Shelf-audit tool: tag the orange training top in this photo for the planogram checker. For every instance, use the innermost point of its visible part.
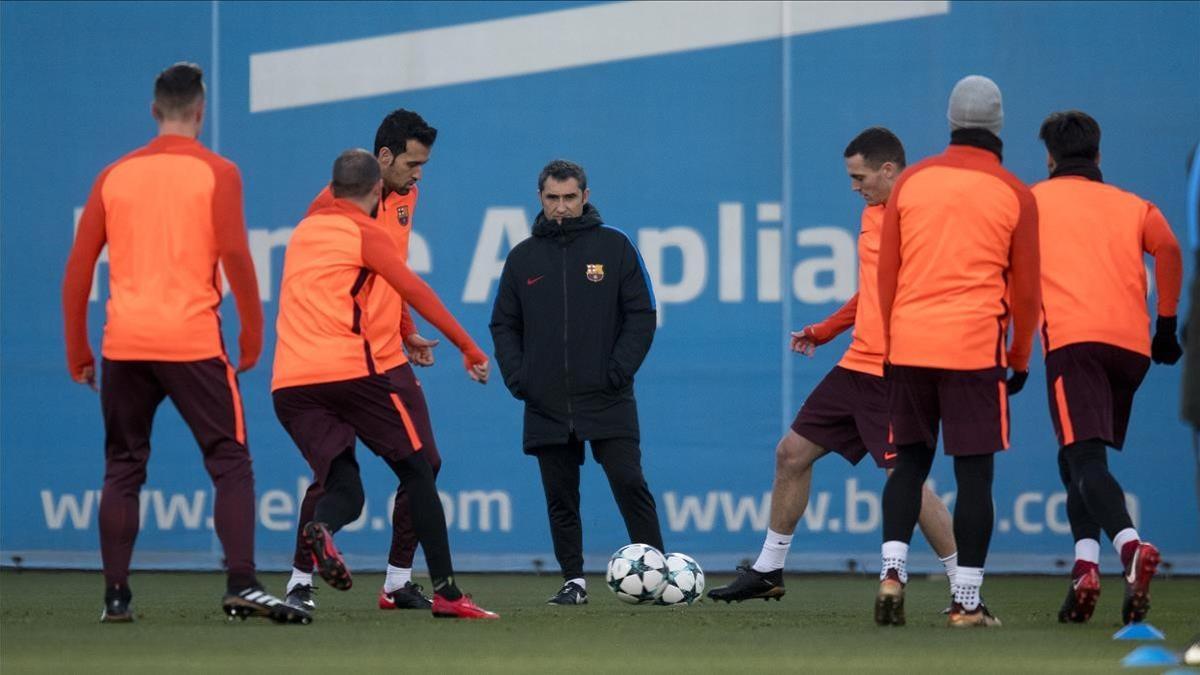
(334, 258)
(866, 348)
(865, 353)
(168, 212)
(960, 237)
(1093, 237)
(390, 321)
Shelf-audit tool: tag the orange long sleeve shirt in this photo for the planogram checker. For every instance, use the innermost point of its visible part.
(169, 212)
(333, 261)
(389, 319)
(1093, 237)
(960, 239)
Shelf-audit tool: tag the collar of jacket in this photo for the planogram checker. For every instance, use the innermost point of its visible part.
(1078, 166)
(570, 227)
(978, 138)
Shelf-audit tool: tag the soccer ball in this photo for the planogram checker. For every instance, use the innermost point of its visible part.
(637, 573)
(685, 580)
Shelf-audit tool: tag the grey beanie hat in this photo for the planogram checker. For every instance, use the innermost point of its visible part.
(975, 104)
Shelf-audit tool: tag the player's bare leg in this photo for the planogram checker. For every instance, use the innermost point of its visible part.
(794, 458)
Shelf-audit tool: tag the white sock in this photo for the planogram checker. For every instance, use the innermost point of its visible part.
(1124, 537)
(950, 562)
(578, 580)
(299, 579)
(966, 587)
(1088, 550)
(774, 552)
(895, 557)
(396, 578)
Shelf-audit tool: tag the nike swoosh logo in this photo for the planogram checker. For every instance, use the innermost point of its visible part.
(533, 280)
(890, 455)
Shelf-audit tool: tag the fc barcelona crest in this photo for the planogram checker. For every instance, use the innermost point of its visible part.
(402, 215)
(595, 273)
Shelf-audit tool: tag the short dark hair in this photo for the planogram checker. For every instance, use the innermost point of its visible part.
(560, 170)
(355, 172)
(877, 145)
(1071, 134)
(178, 88)
(401, 126)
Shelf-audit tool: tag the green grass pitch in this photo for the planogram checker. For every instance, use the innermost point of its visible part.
(48, 623)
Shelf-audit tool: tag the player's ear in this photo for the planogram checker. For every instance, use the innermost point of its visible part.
(155, 112)
(587, 192)
(385, 156)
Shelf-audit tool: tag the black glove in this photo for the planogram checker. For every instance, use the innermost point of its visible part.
(1016, 381)
(1165, 347)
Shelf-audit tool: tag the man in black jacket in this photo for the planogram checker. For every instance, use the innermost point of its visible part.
(573, 320)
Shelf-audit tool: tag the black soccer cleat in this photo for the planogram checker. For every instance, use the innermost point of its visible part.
(301, 597)
(408, 596)
(1138, 575)
(750, 584)
(1081, 599)
(116, 605)
(889, 601)
(326, 558)
(253, 601)
(571, 593)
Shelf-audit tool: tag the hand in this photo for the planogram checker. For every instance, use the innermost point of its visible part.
(86, 375)
(1016, 381)
(249, 349)
(477, 365)
(420, 349)
(479, 372)
(1165, 347)
(803, 341)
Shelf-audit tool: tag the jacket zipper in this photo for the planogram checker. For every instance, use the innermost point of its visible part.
(566, 345)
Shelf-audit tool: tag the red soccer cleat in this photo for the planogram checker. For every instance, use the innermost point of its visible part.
(462, 608)
(1081, 597)
(1138, 574)
(326, 558)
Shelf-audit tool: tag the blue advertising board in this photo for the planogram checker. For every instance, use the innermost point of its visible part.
(712, 134)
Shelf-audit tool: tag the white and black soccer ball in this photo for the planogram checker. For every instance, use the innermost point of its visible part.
(685, 580)
(637, 573)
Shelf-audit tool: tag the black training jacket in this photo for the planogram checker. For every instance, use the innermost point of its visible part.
(573, 320)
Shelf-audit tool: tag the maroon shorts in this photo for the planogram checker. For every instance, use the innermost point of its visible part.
(847, 413)
(970, 405)
(1090, 388)
(324, 419)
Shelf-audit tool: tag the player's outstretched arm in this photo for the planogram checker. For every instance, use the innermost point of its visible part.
(77, 286)
(380, 255)
(640, 317)
(508, 332)
(234, 251)
(1159, 241)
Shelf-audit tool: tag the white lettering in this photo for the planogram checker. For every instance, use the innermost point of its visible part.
(68, 506)
(730, 260)
(499, 224)
(654, 243)
(854, 497)
(680, 513)
(191, 513)
(484, 501)
(758, 512)
(841, 264)
(1020, 519)
(276, 503)
(1057, 503)
(815, 514)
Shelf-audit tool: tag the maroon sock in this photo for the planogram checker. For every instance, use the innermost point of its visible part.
(1127, 552)
(1082, 567)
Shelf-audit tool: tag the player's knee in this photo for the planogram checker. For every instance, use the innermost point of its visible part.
(794, 454)
(1084, 455)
